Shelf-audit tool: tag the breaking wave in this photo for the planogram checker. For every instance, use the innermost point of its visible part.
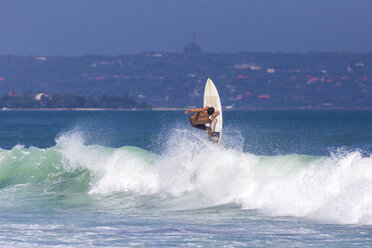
(191, 173)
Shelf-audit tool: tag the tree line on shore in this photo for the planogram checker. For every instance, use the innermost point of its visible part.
(69, 101)
(244, 80)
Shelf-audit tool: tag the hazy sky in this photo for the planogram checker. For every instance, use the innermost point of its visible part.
(78, 27)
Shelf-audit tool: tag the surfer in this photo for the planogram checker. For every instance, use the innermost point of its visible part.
(203, 116)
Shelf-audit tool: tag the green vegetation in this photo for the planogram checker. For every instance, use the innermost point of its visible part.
(244, 80)
(70, 101)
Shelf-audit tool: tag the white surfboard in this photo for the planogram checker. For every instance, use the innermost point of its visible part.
(212, 99)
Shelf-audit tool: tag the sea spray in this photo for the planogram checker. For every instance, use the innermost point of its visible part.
(192, 173)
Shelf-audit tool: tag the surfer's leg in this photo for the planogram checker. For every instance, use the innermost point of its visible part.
(209, 130)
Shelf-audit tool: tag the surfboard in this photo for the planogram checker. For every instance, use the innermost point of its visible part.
(212, 99)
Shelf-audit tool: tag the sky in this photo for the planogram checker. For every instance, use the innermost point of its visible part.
(116, 27)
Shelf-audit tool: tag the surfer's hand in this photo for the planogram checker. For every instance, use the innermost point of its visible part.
(187, 111)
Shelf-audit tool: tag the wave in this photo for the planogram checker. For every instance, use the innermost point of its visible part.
(191, 173)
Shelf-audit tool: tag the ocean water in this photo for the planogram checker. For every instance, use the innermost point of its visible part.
(146, 178)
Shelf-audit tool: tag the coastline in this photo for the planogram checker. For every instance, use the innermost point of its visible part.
(73, 109)
(182, 109)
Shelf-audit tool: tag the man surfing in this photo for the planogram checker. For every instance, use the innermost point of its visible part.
(203, 116)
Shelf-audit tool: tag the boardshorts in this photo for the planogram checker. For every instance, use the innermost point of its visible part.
(198, 126)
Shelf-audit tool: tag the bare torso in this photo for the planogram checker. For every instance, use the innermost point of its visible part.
(200, 118)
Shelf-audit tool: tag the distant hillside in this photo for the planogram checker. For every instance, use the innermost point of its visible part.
(14, 101)
(245, 80)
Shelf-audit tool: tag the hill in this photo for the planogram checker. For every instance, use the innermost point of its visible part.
(245, 80)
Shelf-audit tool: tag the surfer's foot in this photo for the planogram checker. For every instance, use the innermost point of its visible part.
(214, 139)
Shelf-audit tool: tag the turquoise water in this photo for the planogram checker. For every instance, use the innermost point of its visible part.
(146, 178)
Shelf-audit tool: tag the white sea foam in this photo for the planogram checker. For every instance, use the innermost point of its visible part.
(334, 189)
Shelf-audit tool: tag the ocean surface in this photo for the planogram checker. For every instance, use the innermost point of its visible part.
(147, 178)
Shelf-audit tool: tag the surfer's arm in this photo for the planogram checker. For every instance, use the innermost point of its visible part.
(196, 110)
(214, 115)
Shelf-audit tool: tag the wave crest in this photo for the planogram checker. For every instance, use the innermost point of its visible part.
(333, 189)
